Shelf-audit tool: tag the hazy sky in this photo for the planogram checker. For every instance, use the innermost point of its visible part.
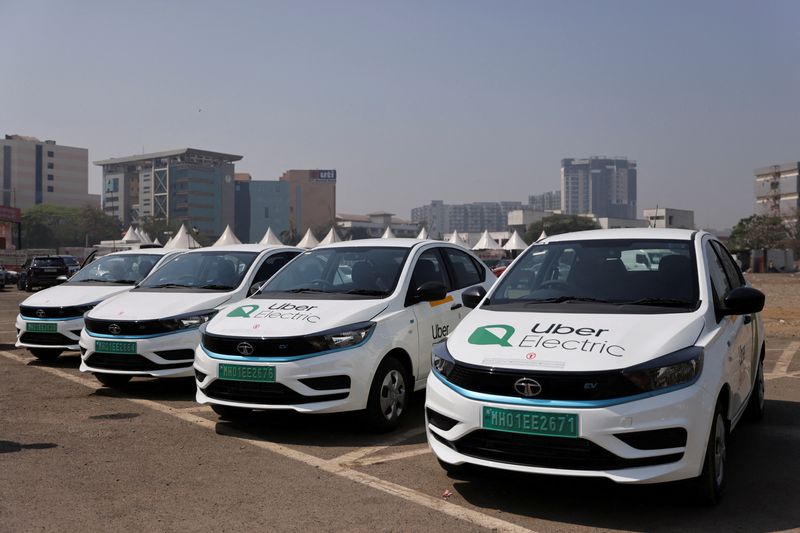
(412, 101)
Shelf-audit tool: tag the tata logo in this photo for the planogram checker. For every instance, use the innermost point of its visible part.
(527, 387)
(114, 329)
(40, 313)
(243, 311)
(488, 335)
(245, 348)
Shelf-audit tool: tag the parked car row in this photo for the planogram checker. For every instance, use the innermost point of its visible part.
(577, 362)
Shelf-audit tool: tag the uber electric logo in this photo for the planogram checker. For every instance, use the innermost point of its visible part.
(282, 311)
(496, 334)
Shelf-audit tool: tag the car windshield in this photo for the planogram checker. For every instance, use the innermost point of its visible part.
(70, 261)
(211, 270)
(48, 262)
(647, 273)
(351, 272)
(124, 269)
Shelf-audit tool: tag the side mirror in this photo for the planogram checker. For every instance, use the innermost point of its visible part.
(472, 297)
(430, 291)
(743, 301)
(255, 287)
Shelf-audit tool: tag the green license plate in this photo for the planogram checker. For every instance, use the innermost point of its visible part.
(531, 422)
(41, 327)
(264, 374)
(115, 347)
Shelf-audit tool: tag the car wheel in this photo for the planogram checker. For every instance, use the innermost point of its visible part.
(113, 380)
(389, 395)
(44, 354)
(231, 413)
(709, 484)
(755, 406)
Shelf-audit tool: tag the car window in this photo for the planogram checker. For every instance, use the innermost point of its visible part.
(719, 280)
(124, 268)
(272, 264)
(735, 276)
(429, 267)
(210, 270)
(48, 262)
(463, 268)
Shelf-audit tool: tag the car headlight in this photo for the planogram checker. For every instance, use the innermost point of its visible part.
(86, 308)
(343, 337)
(441, 360)
(187, 321)
(678, 368)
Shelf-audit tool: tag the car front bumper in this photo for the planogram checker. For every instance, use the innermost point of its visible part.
(65, 337)
(163, 356)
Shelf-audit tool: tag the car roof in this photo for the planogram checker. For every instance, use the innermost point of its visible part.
(140, 251)
(258, 248)
(377, 243)
(623, 234)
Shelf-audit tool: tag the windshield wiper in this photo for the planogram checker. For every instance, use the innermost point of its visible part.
(168, 286)
(217, 287)
(87, 280)
(563, 299)
(125, 281)
(303, 289)
(662, 302)
(366, 292)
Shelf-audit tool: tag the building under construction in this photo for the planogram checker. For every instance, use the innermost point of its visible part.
(777, 189)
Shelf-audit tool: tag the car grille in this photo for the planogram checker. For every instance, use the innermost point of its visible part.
(280, 347)
(133, 327)
(575, 386)
(52, 312)
(176, 355)
(46, 339)
(263, 393)
(546, 452)
(132, 362)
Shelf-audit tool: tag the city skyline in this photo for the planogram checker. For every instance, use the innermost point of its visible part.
(463, 102)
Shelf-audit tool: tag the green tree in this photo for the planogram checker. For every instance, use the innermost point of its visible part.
(56, 226)
(760, 232)
(558, 224)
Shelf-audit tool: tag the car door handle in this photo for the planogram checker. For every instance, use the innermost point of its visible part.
(455, 306)
(748, 319)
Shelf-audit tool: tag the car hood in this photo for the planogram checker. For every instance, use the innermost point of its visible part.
(261, 317)
(150, 305)
(77, 294)
(570, 342)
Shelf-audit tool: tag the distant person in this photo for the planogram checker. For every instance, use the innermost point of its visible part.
(771, 267)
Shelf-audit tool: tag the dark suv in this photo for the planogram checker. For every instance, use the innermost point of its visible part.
(41, 271)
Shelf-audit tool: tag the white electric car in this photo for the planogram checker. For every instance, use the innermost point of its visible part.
(576, 364)
(50, 321)
(152, 330)
(344, 327)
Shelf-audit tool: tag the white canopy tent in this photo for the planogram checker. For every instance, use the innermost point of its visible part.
(515, 243)
(308, 241)
(182, 240)
(388, 234)
(270, 239)
(542, 236)
(157, 242)
(227, 238)
(455, 238)
(486, 242)
(131, 235)
(423, 234)
(331, 237)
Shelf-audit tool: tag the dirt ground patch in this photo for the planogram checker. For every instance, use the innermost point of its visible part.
(782, 311)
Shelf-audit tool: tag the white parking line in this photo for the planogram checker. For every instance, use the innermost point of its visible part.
(781, 368)
(369, 450)
(332, 466)
(391, 457)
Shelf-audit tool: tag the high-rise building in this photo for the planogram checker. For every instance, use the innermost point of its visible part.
(602, 186)
(185, 185)
(43, 172)
(312, 199)
(548, 201)
(777, 190)
(441, 218)
(260, 205)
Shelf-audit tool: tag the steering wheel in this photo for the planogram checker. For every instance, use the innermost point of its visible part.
(321, 284)
(556, 284)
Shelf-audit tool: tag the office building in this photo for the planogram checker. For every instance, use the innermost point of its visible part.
(441, 218)
(260, 205)
(187, 185)
(312, 199)
(43, 172)
(777, 190)
(602, 186)
(667, 217)
(548, 201)
(373, 225)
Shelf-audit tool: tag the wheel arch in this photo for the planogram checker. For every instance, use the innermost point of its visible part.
(405, 359)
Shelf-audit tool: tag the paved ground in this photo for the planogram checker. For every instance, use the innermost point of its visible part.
(77, 456)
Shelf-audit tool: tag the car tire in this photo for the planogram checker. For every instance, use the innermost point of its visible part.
(45, 354)
(231, 413)
(756, 404)
(708, 486)
(389, 395)
(113, 380)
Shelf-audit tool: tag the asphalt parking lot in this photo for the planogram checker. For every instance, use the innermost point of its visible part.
(77, 456)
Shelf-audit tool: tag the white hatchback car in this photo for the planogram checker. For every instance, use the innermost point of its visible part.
(344, 327)
(574, 364)
(50, 321)
(152, 330)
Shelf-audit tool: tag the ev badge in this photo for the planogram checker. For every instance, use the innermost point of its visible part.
(528, 387)
(40, 313)
(244, 348)
(114, 329)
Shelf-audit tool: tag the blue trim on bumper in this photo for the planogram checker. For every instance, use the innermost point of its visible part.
(572, 404)
(31, 319)
(104, 336)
